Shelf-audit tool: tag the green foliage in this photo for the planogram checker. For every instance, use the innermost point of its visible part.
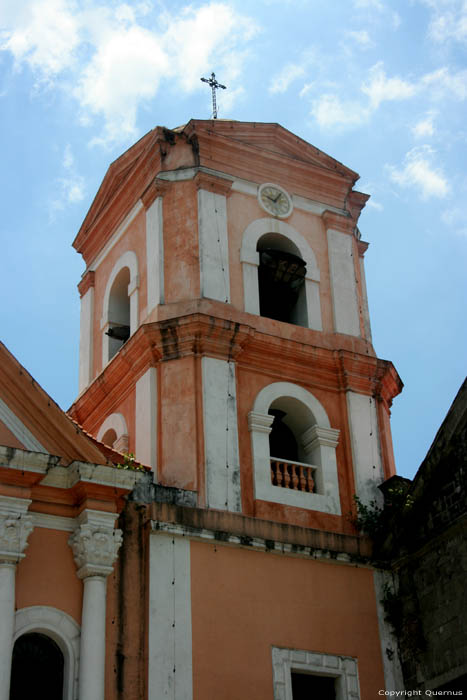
(372, 518)
(130, 462)
(369, 517)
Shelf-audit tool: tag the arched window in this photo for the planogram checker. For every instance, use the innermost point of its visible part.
(119, 312)
(120, 305)
(287, 419)
(37, 668)
(269, 251)
(114, 432)
(281, 280)
(50, 635)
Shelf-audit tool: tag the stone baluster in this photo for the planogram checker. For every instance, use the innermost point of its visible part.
(95, 544)
(15, 527)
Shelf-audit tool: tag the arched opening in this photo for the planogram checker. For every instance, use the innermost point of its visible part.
(291, 462)
(300, 455)
(281, 280)
(119, 312)
(37, 668)
(109, 438)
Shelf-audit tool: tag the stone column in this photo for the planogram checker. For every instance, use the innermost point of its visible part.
(15, 528)
(95, 544)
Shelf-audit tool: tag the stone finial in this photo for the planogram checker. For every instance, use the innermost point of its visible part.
(15, 527)
(95, 543)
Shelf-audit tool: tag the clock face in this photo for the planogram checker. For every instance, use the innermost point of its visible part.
(275, 200)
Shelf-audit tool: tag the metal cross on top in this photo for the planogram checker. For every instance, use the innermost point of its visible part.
(212, 82)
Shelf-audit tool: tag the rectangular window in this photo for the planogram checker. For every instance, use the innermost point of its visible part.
(306, 686)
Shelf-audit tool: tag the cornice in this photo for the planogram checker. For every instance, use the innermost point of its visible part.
(212, 183)
(157, 188)
(87, 281)
(337, 222)
(362, 247)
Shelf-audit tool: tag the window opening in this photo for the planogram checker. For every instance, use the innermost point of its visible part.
(37, 668)
(281, 280)
(109, 438)
(306, 686)
(290, 467)
(119, 312)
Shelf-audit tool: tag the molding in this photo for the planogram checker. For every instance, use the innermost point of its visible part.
(338, 221)
(53, 522)
(116, 236)
(87, 281)
(19, 430)
(67, 477)
(116, 422)
(315, 437)
(212, 183)
(63, 629)
(342, 668)
(255, 543)
(26, 460)
(260, 422)
(248, 187)
(157, 188)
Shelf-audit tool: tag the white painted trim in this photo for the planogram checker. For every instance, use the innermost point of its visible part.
(366, 452)
(86, 345)
(342, 668)
(115, 422)
(248, 187)
(155, 254)
(60, 627)
(255, 543)
(66, 477)
(343, 285)
(129, 260)
(19, 430)
(120, 231)
(53, 522)
(393, 678)
(146, 418)
(30, 461)
(249, 258)
(213, 246)
(319, 442)
(366, 310)
(221, 450)
(170, 641)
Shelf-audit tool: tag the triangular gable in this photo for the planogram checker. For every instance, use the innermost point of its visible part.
(275, 138)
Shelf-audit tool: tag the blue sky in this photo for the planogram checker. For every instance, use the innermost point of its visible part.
(379, 85)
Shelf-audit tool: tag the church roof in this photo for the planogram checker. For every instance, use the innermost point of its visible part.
(30, 419)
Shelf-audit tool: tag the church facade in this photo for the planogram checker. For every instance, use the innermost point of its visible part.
(226, 366)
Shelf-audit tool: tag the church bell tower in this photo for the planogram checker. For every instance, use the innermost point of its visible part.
(225, 335)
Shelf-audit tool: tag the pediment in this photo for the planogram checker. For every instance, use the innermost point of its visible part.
(274, 138)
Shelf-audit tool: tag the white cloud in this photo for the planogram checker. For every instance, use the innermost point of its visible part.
(380, 88)
(449, 21)
(116, 57)
(424, 127)
(374, 205)
(70, 187)
(329, 110)
(418, 171)
(442, 82)
(361, 37)
(44, 35)
(281, 81)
